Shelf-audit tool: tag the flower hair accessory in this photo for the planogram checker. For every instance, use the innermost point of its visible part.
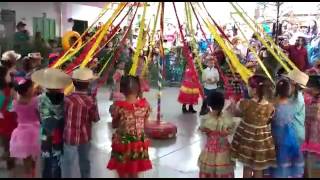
(20, 80)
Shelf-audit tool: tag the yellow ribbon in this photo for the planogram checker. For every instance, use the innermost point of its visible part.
(254, 52)
(241, 69)
(140, 42)
(152, 43)
(193, 41)
(265, 43)
(64, 58)
(106, 27)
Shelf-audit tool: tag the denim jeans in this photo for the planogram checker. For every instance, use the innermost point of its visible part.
(69, 157)
(207, 92)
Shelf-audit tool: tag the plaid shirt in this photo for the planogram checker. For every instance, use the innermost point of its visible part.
(80, 111)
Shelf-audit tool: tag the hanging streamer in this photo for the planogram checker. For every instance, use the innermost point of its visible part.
(187, 53)
(210, 47)
(241, 69)
(271, 41)
(152, 43)
(114, 59)
(193, 41)
(262, 40)
(62, 59)
(254, 52)
(139, 47)
(119, 9)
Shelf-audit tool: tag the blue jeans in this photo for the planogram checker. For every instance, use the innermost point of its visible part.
(207, 92)
(70, 152)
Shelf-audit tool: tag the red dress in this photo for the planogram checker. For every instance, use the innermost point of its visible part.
(129, 145)
(189, 90)
(8, 120)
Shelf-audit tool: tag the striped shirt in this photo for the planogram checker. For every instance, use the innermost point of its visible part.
(80, 111)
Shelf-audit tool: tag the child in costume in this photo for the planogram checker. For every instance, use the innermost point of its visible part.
(129, 154)
(7, 117)
(311, 145)
(290, 161)
(24, 143)
(189, 91)
(252, 143)
(51, 108)
(215, 160)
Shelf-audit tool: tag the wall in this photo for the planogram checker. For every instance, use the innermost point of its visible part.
(27, 10)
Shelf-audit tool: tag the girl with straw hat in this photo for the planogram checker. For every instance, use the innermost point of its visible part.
(51, 108)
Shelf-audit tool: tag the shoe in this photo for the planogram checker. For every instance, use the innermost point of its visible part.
(184, 109)
(191, 110)
(203, 111)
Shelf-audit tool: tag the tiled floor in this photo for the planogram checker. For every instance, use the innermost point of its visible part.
(176, 158)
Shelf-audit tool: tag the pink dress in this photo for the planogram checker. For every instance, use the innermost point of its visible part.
(25, 139)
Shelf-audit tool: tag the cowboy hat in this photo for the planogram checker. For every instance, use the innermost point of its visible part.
(299, 77)
(83, 74)
(51, 78)
(8, 55)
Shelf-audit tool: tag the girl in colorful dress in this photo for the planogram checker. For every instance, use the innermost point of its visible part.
(290, 161)
(51, 108)
(129, 154)
(189, 91)
(215, 160)
(252, 143)
(7, 117)
(116, 95)
(24, 143)
(311, 144)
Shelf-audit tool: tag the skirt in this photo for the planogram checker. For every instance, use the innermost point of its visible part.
(215, 165)
(128, 156)
(25, 141)
(189, 93)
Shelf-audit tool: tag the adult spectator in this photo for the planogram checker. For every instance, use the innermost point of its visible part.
(22, 40)
(298, 53)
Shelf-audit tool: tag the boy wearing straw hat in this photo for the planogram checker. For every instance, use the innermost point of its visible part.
(80, 111)
(51, 108)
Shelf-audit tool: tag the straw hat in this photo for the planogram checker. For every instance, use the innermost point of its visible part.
(299, 77)
(51, 78)
(8, 55)
(83, 74)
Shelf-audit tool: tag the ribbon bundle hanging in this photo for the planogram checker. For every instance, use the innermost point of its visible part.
(106, 26)
(114, 59)
(187, 53)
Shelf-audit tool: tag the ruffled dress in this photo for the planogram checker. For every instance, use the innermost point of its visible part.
(215, 160)
(189, 90)
(129, 143)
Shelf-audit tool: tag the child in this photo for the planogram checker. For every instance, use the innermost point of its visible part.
(7, 118)
(311, 144)
(290, 161)
(215, 160)
(80, 111)
(189, 91)
(129, 154)
(116, 95)
(24, 143)
(51, 107)
(252, 143)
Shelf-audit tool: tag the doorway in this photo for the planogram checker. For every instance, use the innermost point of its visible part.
(79, 26)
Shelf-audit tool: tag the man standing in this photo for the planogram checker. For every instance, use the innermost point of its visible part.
(210, 78)
(298, 53)
(22, 40)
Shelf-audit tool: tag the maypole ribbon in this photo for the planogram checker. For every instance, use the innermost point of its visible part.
(187, 53)
(152, 43)
(62, 58)
(106, 26)
(210, 47)
(271, 41)
(193, 40)
(139, 47)
(122, 42)
(240, 68)
(254, 52)
(262, 40)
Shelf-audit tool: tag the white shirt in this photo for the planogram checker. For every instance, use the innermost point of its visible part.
(210, 74)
